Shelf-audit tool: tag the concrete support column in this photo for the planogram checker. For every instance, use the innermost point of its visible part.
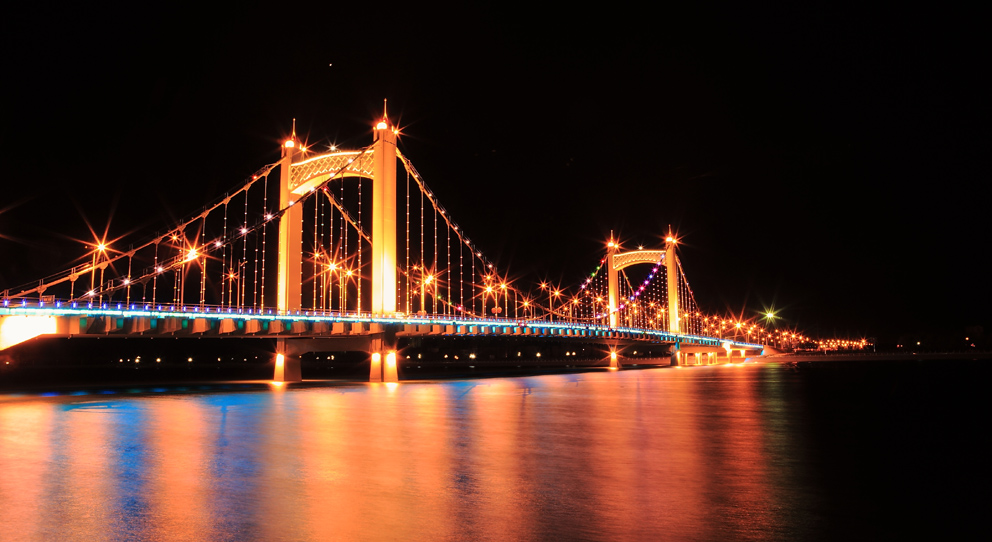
(375, 367)
(615, 361)
(287, 364)
(382, 367)
(384, 359)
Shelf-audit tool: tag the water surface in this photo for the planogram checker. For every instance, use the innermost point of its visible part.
(752, 452)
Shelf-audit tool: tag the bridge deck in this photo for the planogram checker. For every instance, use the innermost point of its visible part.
(25, 322)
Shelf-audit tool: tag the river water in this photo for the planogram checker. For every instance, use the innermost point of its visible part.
(759, 451)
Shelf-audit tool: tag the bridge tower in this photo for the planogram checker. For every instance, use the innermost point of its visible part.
(289, 288)
(613, 288)
(384, 219)
(289, 298)
(672, 273)
(383, 240)
(616, 260)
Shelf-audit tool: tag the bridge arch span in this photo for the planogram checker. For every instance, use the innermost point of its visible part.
(312, 172)
(626, 259)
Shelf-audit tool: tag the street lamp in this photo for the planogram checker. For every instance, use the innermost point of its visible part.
(551, 316)
(424, 284)
(486, 293)
(506, 299)
(343, 276)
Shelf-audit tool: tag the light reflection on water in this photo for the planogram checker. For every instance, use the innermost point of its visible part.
(709, 453)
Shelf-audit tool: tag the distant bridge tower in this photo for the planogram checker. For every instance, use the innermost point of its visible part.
(617, 261)
(297, 178)
(672, 274)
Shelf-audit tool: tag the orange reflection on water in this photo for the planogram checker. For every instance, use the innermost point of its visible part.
(89, 480)
(747, 485)
(325, 467)
(180, 494)
(429, 462)
(25, 469)
(374, 464)
(629, 455)
(492, 474)
(280, 471)
(646, 470)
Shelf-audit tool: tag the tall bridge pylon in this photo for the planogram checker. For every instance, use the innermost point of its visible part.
(617, 261)
(297, 179)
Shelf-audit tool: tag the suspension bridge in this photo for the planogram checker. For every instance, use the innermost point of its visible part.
(352, 251)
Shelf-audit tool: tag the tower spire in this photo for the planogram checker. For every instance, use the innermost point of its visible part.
(383, 123)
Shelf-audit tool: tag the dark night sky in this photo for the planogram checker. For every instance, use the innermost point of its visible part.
(831, 162)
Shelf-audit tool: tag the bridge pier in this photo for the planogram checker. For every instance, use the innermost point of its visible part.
(615, 363)
(382, 345)
(383, 370)
(287, 364)
(384, 362)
